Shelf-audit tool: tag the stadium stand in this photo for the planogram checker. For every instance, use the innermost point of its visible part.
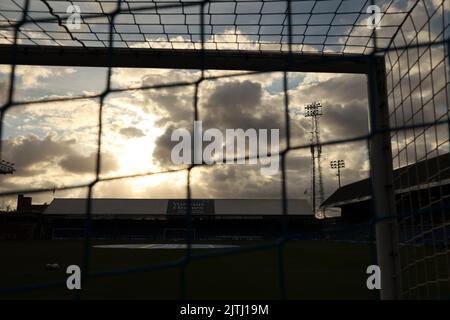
(23, 223)
(419, 187)
(158, 219)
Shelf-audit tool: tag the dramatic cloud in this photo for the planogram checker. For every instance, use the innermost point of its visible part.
(3, 91)
(34, 156)
(345, 107)
(250, 101)
(163, 148)
(32, 77)
(224, 105)
(244, 105)
(244, 102)
(339, 88)
(29, 151)
(80, 164)
(132, 132)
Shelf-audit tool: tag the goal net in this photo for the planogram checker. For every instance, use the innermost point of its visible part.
(399, 48)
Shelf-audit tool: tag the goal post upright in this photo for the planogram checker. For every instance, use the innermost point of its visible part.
(383, 195)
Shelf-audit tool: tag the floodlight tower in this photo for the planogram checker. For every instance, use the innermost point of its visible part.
(6, 167)
(338, 164)
(314, 111)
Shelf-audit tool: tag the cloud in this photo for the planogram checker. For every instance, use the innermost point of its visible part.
(234, 181)
(170, 105)
(163, 148)
(345, 107)
(31, 77)
(350, 120)
(35, 156)
(223, 105)
(132, 132)
(172, 186)
(76, 163)
(29, 151)
(246, 103)
(230, 99)
(339, 88)
(3, 91)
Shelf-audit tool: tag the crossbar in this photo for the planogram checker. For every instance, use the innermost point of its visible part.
(183, 59)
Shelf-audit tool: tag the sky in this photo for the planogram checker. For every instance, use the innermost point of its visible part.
(53, 145)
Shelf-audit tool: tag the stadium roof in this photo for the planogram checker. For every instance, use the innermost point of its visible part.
(421, 175)
(145, 207)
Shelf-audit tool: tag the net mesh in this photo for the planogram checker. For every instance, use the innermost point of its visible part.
(413, 37)
(318, 26)
(418, 79)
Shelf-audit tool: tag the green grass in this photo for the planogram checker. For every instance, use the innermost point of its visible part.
(313, 270)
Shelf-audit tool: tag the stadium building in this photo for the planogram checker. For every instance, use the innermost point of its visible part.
(413, 190)
(24, 223)
(422, 198)
(165, 219)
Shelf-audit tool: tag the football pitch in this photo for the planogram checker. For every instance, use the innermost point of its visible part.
(312, 270)
(230, 270)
